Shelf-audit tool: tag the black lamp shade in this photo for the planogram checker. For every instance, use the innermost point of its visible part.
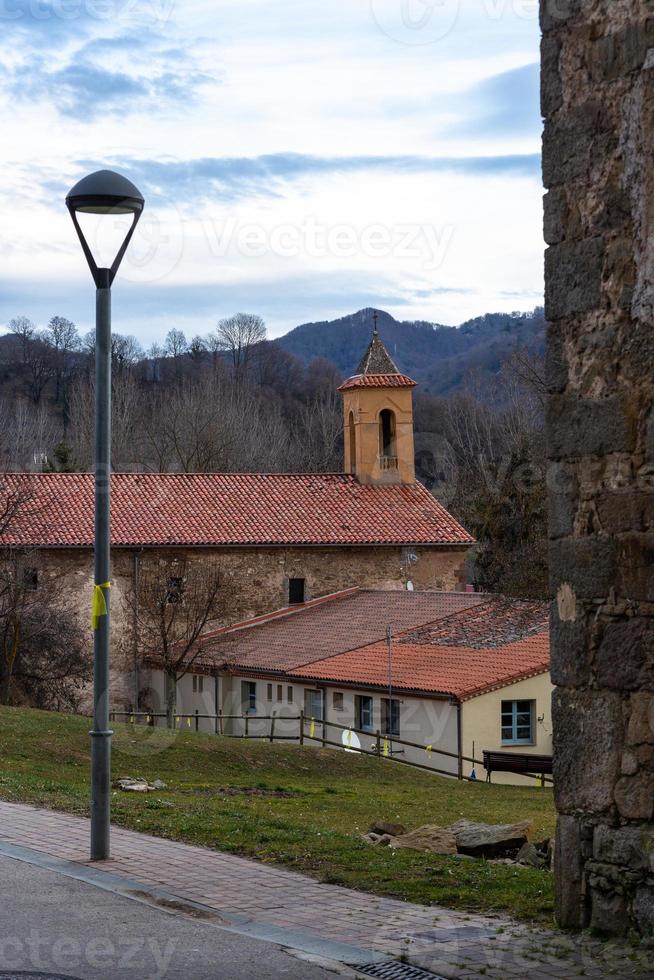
(105, 192)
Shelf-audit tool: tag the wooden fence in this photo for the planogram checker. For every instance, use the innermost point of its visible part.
(317, 730)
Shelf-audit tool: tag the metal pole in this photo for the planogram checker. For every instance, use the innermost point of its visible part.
(101, 734)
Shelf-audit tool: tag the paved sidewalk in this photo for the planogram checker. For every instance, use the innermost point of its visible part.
(450, 944)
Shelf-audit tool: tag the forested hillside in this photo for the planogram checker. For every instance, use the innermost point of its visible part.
(439, 357)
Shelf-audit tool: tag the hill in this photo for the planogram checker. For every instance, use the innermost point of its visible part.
(284, 804)
(436, 355)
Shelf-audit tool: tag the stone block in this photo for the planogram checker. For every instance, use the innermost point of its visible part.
(634, 796)
(555, 209)
(588, 734)
(573, 276)
(573, 140)
(571, 912)
(609, 913)
(640, 730)
(643, 909)
(587, 427)
(622, 51)
(570, 653)
(551, 92)
(556, 13)
(635, 567)
(562, 488)
(556, 365)
(625, 510)
(631, 847)
(625, 657)
(587, 564)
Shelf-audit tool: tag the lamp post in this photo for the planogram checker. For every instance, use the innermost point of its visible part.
(102, 193)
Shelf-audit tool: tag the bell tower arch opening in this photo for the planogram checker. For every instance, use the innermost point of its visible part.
(351, 463)
(387, 440)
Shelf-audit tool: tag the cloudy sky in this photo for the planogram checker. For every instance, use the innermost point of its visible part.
(300, 159)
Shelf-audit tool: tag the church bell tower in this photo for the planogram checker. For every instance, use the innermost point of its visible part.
(378, 419)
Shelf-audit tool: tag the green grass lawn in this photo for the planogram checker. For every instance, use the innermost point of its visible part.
(305, 810)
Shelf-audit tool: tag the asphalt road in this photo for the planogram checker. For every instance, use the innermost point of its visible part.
(53, 925)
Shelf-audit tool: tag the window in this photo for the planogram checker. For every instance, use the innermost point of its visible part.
(269, 692)
(390, 717)
(295, 591)
(289, 695)
(30, 579)
(387, 451)
(198, 683)
(337, 701)
(249, 697)
(280, 695)
(353, 444)
(175, 589)
(364, 713)
(313, 704)
(518, 722)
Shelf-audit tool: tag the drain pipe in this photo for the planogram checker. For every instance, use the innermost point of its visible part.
(136, 569)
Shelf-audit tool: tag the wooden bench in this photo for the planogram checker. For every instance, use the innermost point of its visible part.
(520, 762)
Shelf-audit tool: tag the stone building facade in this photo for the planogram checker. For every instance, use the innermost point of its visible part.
(598, 104)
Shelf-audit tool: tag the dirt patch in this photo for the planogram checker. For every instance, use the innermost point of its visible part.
(248, 791)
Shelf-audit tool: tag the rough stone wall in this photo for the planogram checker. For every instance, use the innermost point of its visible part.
(256, 582)
(598, 103)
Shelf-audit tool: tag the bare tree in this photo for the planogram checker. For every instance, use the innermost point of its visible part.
(39, 367)
(24, 329)
(177, 598)
(28, 435)
(239, 336)
(43, 657)
(62, 336)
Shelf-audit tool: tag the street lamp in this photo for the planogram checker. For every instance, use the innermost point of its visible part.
(102, 193)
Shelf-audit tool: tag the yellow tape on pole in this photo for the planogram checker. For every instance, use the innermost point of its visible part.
(98, 604)
(428, 749)
(386, 750)
(312, 728)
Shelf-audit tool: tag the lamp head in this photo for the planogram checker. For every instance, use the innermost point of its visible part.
(104, 192)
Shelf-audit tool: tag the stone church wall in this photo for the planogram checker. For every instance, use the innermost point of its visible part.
(598, 166)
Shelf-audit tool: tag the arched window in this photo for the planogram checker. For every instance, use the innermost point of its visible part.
(353, 444)
(387, 447)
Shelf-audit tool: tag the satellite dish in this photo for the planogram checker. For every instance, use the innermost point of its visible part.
(350, 741)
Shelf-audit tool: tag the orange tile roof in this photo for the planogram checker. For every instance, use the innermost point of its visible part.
(222, 509)
(460, 671)
(378, 381)
(453, 644)
(297, 635)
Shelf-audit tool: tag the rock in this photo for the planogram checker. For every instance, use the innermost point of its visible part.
(435, 840)
(489, 840)
(131, 785)
(157, 784)
(529, 856)
(382, 827)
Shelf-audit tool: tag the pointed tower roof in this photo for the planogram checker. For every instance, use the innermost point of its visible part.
(377, 368)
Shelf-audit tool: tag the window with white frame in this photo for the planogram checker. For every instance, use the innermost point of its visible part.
(198, 683)
(364, 709)
(518, 722)
(314, 704)
(337, 700)
(268, 692)
(289, 695)
(280, 692)
(249, 697)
